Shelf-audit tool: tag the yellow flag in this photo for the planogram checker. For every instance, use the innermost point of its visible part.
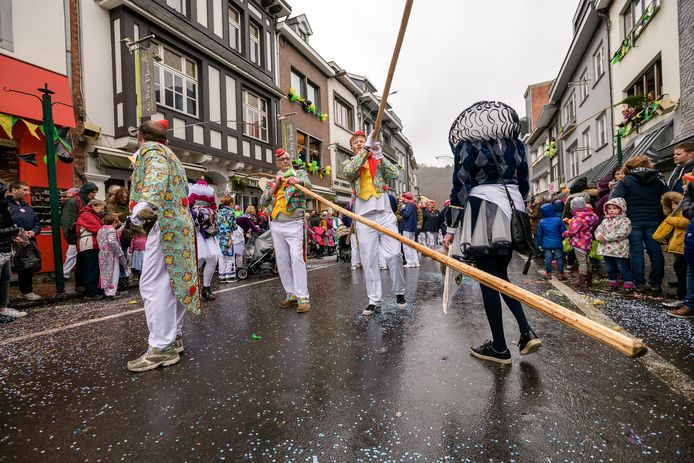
(6, 124)
(32, 128)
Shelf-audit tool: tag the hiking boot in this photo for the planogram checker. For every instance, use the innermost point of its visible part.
(529, 343)
(673, 304)
(561, 276)
(207, 294)
(547, 276)
(154, 358)
(6, 319)
(178, 344)
(370, 310)
(653, 288)
(303, 307)
(400, 299)
(487, 352)
(12, 313)
(682, 312)
(95, 297)
(30, 296)
(288, 303)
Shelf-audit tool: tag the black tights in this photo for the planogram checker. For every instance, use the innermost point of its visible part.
(497, 264)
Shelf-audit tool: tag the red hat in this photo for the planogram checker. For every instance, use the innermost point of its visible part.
(408, 196)
(447, 202)
(164, 124)
(279, 152)
(359, 132)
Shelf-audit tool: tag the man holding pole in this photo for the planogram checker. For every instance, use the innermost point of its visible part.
(169, 278)
(368, 171)
(286, 206)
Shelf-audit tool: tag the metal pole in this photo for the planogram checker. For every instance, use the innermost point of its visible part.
(619, 149)
(49, 132)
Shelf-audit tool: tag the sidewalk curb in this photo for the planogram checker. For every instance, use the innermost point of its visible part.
(673, 377)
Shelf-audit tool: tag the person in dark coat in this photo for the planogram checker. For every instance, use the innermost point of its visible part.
(24, 217)
(9, 234)
(642, 188)
(68, 223)
(408, 224)
(684, 164)
(430, 224)
(687, 207)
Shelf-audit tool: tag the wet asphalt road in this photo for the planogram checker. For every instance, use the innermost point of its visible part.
(330, 385)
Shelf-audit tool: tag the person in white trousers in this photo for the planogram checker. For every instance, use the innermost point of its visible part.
(286, 207)
(204, 211)
(368, 171)
(169, 279)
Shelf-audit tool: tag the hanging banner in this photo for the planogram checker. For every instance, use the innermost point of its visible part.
(290, 138)
(144, 81)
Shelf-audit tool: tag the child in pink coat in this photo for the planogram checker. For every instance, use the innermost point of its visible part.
(580, 234)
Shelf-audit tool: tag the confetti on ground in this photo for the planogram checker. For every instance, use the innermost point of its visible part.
(617, 328)
(132, 302)
(597, 302)
(256, 337)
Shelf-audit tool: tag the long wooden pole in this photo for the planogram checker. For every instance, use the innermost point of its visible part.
(631, 347)
(391, 69)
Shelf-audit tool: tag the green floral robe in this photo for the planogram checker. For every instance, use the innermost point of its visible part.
(159, 179)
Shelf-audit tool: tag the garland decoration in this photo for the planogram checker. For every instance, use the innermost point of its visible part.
(311, 167)
(551, 148)
(307, 105)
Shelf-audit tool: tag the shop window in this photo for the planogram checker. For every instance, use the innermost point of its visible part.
(255, 45)
(178, 5)
(344, 115)
(255, 117)
(648, 84)
(9, 164)
(234, 29)
(176, 80)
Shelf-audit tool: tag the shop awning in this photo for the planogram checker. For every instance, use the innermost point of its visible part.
(21, 76)
(643, 144)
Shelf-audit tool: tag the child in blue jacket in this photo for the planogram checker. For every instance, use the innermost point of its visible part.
(549, 237)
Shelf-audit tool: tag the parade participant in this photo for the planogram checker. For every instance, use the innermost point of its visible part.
(488, 155)
(204, 211)
(111, 255)
(169, 279)
(226, 224)
(409, 212)
(286, 206)
(368, 171)
(431, 224)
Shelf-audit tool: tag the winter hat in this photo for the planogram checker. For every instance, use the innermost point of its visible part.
(578, 203)
(201, 192)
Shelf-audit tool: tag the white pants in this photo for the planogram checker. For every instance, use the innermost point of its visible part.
(70, 259)
(371, 245)
(227, 266)
(163, 311)
(354, 249)
(411, 254)
(381, 258)
(288, 238)
(432, 239)
(114, 280)
(208, 272)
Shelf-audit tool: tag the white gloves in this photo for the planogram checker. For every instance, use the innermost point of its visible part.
(141, 213)
(369, 140)
(376, 151)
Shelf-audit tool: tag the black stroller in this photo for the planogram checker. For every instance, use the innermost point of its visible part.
(259, 256)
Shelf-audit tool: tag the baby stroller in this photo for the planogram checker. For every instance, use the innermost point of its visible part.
(344, 250)
(259, 256)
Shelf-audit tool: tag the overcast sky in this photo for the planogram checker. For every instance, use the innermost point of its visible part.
(456, 52)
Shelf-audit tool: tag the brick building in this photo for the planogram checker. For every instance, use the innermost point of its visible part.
(304, 133)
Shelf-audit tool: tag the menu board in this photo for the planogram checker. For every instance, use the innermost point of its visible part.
(41, 203)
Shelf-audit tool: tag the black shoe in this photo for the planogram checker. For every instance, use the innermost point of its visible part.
(96, 297)
(207, 294)
(79, 289)
(6, 319)
(487, 352)
(653, 288)
(529, 343)
(400, 298)
(370, 310)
